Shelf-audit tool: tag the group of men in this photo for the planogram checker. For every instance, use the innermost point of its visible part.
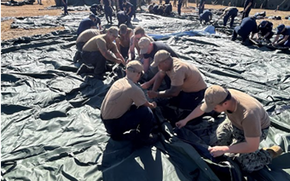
(125, 10)
(160, 9)
(250, 31)
(228, 12)
(149, 64)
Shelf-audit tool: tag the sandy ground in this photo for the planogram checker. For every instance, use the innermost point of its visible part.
(40, 10)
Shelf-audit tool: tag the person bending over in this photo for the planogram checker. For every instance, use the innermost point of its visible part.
(97, 51)
(187, 85)
(238, 136)
(125, 107)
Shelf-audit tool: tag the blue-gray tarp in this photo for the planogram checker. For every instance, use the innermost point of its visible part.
(50, 118)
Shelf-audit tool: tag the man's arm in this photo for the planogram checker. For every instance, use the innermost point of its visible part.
(100, 26)
(108, 55)
(151, 105)
(158, 78)
(194, 114)
(172, 92)
(267, 34)
(252, 35)
(146, 64)
(158, 75)
(147, 84)
(131, 54)
(129, 11)
(250, 145)
(118, 41)
(283, 40)
(131, 33)
(118, 54)
(224, 13)
(94, 27)
(276, 39)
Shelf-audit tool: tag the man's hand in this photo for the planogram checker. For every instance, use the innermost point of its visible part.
(119, 60)
(181, 123)
(218, 150)
(153, 105)
(152, 94)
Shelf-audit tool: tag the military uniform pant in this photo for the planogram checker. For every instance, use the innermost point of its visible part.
(227, 134)
(179, 7)
(141, 117)
(108, 13)
(95, 59)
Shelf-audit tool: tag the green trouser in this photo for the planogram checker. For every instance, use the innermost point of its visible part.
(227, 134)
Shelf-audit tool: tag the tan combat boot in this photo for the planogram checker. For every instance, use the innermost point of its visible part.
(274, 151)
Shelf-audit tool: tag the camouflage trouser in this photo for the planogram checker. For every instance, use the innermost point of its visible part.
(227, 134)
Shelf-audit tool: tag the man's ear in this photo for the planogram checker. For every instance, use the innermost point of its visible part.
(226, 103)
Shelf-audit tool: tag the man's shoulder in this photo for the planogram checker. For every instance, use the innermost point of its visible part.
(287, 32)
(98, 38)
(86, 19)
(238, 94)
(129, 30)
(101, 36)
(121, 83)
(91, 31)
(179, 64)
(131, 86)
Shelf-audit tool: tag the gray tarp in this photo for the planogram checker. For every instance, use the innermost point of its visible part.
(50, 117)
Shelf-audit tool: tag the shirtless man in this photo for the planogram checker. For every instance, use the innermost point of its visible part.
(139, 32)
(98, 50)
(123, 41)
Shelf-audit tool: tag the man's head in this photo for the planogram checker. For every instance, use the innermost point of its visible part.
(163, 60)
(112, 32)
(134, 70)
(93, 17)
(215, 96)
(280, 28)
(123, 29)
(263, 24)
(139, 32)
(145, 45)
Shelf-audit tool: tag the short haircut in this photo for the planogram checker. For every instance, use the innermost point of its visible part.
(139, 30)
(92, 16)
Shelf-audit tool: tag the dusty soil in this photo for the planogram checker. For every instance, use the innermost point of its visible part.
(27, 11)
(40, 10)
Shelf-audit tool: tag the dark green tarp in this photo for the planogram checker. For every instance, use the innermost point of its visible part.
(50, 117)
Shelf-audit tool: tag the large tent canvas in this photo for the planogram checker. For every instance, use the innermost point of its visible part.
(50, 118)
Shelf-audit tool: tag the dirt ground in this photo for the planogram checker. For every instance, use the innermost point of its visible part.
(40, 10)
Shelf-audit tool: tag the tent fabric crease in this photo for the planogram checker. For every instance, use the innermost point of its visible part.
(50, 118)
